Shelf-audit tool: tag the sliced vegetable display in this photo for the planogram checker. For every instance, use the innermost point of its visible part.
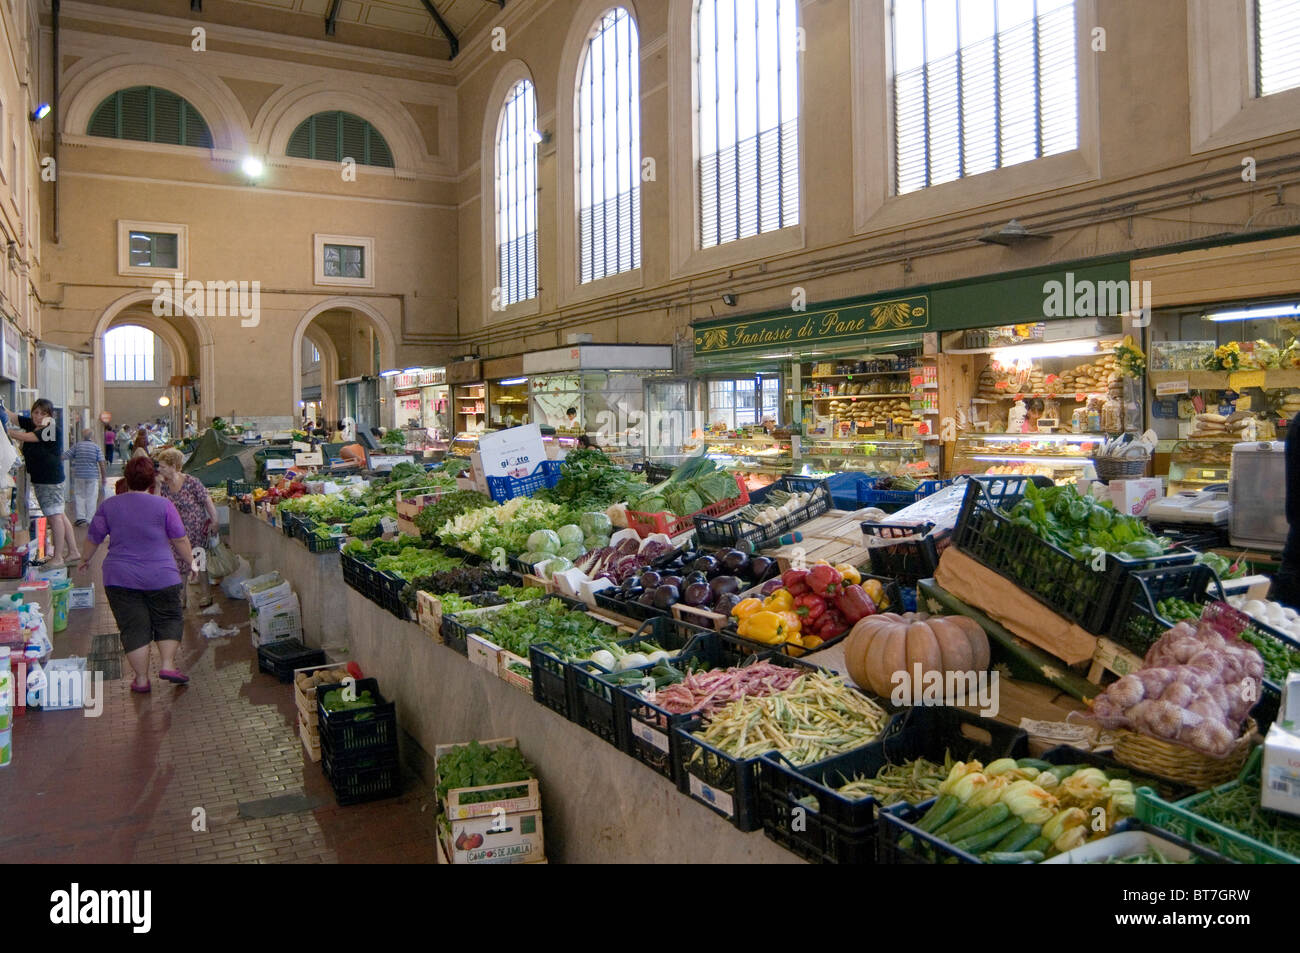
(817, 717)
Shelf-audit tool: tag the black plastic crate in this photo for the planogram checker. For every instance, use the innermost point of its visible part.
(468, 558)
(318, 544)
(739, 531)
(282, 657)
(655, 473)
(359, 729)
(1138, 623)
(900, 841)
(354, 572)
(600, 703)
(239, 488)
(287, 522)
(893, 593)
(834, 829)
(1170, 790)
(726, 785)
(363, 780)
(552, 686)
(389, 588)
(909, 556)
(608, 598)
(1068, 586)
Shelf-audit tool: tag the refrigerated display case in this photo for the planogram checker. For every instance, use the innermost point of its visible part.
(1060, 456)
(1197, 464)
(874, 455)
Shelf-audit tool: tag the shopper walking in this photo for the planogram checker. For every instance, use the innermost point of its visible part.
(110, 438)
(41, 438)
(141, 440)
(146, 544)
(192, 501)
(87, 475)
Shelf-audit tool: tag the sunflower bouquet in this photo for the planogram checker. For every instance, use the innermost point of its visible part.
(1226, 357)
(1132, 362)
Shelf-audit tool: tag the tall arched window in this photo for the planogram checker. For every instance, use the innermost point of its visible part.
(335, 136)
(150, 114)
(516, 196)
(128, 353)
(747, 92)
(608, 108)
(1277, 46)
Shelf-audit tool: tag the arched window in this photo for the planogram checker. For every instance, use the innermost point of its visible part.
(747, 92)
(608, 108)
(980, 85)
(335, 136)
(516, 196)
(150, 114)
(128, 353)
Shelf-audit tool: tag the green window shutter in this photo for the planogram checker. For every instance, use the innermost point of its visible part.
(299, 145)
(133, 116)
(150, 114)
(333, 136)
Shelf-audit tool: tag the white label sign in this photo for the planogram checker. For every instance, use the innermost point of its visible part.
(1169, 388)
(516, 452)
(650, 736)
(719, 799)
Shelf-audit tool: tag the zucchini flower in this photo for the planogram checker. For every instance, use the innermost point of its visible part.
(1064, 820)
(1084, 786)
(1072, 838)
(1047, 780)
(1029, 802)
(1123, 804)
(966, 787)
(1000, 766)
(989, 793)
(959, 770)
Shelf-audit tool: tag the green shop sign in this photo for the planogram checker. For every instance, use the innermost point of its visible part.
(815, 327)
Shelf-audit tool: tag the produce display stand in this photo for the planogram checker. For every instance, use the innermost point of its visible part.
(742, 532)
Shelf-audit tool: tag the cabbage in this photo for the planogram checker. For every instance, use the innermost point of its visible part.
(572, 550)
(593, 543)
(595, 524)
(544, 541)
(570, 534)
(552, 566)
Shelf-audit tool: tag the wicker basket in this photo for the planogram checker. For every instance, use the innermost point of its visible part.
(1176, 762)
(1119, 468)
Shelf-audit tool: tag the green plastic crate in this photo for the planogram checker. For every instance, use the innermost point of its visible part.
(1181, 819)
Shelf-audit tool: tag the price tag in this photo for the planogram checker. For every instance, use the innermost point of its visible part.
(650, 736)
(1170, 388)
(1240, 380)
(388, 525)
(719, 799)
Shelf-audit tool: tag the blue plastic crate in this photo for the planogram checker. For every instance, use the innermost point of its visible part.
(505, 488)
(868, 495)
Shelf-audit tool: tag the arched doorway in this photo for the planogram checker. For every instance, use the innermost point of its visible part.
(355, 343)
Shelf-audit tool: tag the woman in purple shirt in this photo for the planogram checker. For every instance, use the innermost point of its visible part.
(141, 578)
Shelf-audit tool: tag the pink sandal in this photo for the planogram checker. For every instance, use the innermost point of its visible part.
(136, 688)
(172, 675)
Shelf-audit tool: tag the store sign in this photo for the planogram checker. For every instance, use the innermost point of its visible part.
(799, 329)
(433, 377)
(1169, 388)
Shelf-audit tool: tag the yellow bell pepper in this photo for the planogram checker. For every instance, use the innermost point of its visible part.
(779, 601)
(763, 626)
(793, 624)
(850, 573)
(812, 641)
(876, 590)
(746, 607)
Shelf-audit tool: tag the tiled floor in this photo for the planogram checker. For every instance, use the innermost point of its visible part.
(124, 787)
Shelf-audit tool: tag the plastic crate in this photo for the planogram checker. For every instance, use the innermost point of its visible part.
(644, 524)
(600, 703)
(552, 686)
(728, 786)
(280, 658)
(1137, 622)
(655, 473)
(356, 573)
(1181, 819)
(834, 829)
(909, 557)
(609, 599)
(898, 823)
(359, 729)
(287, 522)
(239, 488)
(364, 779)
(1068, 586)
(869, 493)
(502, 488)
(892, 592)
(390, 587)
(737, 530)
(790, 484)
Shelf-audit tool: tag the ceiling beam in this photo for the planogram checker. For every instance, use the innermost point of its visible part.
(442, 25)
(332, 17)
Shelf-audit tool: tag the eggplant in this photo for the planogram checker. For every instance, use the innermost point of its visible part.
(733, 562)
(670, 580)
(771, 586)
(724, 585)
(695, 577)
(726, 603)
(697, 594)
(651, 579)
(631, 582)
(666, 596)
(647, 598)
(760, 567)
(706, 564)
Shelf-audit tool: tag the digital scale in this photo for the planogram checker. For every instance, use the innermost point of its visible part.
(1192, 508)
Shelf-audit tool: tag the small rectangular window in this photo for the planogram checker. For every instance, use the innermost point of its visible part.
(154, 250)
(345, 261)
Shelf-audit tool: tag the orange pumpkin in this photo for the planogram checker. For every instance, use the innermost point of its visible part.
(881, 645)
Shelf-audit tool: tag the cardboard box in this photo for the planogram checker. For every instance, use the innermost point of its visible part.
(503, 839)
(270, 596)
(1134, 496)
(1280, 771)
(526, 796)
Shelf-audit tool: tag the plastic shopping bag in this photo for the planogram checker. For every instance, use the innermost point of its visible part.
(233, 584)
(221, 561)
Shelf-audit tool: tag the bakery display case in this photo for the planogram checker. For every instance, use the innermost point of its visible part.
(1196, 464)
(464, 444)
(1059, 456)
(877, 455)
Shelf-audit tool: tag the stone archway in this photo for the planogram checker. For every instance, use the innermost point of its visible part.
(376, 319)
(120, 312)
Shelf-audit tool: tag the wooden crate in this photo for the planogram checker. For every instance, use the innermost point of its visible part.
(310, 735)
(1112, 657)
(452, 806)
(524, 683)
(704, 618)
(428, 612)
(305, 699)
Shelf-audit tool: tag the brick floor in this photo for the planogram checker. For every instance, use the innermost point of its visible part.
(122, 788)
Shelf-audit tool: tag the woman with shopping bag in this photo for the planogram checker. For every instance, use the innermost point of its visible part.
(197, 510)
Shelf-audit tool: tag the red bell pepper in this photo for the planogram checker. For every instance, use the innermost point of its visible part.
(824, 580)
(810, 607)
(854, 604)
(792, 577)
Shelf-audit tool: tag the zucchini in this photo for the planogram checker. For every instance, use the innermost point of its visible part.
(961, 817)
(1038, 764)
(1040, 843)
(1063, 771)
(985, 839)
(1018, 838)
(991, 816)
(940, 813)
(1013, 857)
